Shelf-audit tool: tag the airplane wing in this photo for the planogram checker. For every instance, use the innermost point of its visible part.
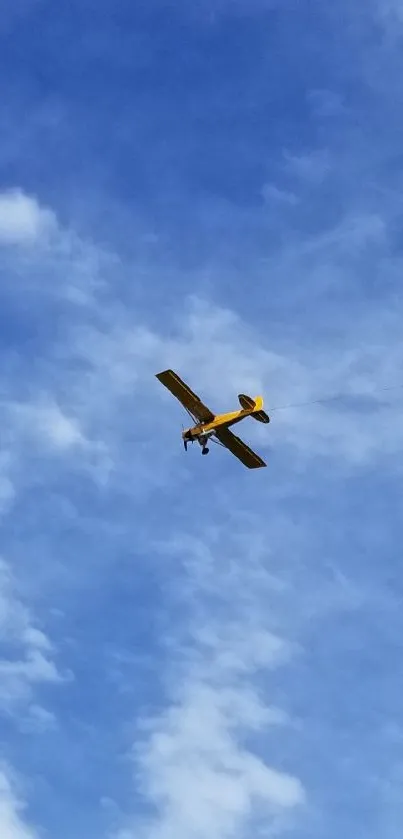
(239, 448)
(185, 395)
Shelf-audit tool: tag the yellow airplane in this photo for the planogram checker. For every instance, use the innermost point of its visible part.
(209, 425)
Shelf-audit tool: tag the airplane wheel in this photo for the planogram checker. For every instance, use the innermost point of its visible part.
(205, 451)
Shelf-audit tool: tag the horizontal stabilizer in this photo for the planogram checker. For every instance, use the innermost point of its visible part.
(260, 416)
(255, 406)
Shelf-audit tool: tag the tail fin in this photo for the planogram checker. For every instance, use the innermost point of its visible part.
(247, 403)
(255, 406)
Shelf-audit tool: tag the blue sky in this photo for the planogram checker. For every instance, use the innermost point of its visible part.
(189, 649)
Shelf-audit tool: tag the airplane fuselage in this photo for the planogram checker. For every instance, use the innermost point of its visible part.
(206, 429)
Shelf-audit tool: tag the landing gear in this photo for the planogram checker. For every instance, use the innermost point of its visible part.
(202, 439)
(202, 442)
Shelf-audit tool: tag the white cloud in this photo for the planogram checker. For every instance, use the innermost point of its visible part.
(61, 430)
(12, 823)
(194, 769)
(18, 677)
(35, 638)
(43, 425)
(27, 652)
(48, 421)
(195, 764)
(22, 220)
(200, 778)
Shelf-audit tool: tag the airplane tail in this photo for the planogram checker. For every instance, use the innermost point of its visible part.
(255, 406)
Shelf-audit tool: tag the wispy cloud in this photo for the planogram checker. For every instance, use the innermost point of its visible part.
(311, 168)
(22, 220)
(47, 422)
(27, 655)
(194, 764)
(195, 770)
(390, 11)
(12, 822)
